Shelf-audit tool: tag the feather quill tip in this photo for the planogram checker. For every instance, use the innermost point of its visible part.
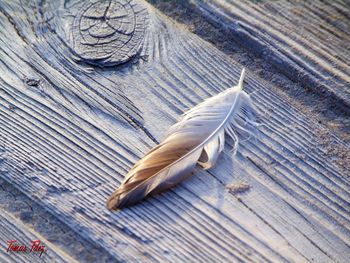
(119, 200)
(241, 80)
(113, 203)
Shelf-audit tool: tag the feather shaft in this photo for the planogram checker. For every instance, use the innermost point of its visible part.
(197, 138)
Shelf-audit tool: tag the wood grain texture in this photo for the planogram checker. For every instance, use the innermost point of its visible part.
(69, 133)
(34, 218)
(308, 41)
(12, 228)
(103, 33)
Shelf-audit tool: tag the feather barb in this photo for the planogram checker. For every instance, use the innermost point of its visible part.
(197, 138)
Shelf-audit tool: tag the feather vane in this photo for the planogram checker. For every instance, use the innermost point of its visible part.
(198, 137)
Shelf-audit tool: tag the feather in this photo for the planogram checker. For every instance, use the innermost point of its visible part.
(198, 137)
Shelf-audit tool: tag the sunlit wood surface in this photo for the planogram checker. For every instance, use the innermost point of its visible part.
(72, 125)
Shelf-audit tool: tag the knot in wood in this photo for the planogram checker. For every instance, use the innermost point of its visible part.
(109, 32)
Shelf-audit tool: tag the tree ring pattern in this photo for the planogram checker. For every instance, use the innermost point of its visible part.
(109, 32)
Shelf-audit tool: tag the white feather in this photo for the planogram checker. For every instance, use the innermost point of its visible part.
(198, 137)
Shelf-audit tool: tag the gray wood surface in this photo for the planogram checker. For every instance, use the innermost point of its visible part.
(32, 220)
(11, 227)
(307, 41)
(69, 132)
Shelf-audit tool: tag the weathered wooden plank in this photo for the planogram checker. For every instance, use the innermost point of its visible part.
(69, 140)
(308, 41)
(13, 229)
(38, 220)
